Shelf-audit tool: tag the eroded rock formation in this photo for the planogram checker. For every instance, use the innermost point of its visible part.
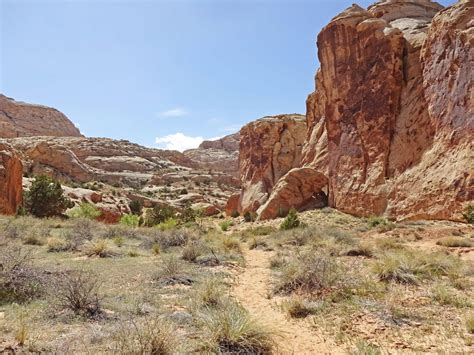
(269, 148)
(19, 119)
(390, 125)
(11, 173)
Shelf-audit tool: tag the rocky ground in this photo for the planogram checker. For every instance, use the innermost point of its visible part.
(337, 284)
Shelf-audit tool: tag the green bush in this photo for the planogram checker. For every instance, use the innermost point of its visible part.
(85, 210)
(225, 225)
(235, 214)
(291, 220)
(469, 214)
(136, 207)
(130, 220)
(46, 198)
(170, 223)
(159, 214)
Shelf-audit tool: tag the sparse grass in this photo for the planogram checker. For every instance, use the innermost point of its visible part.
(231, 244)
(297, 307)
(173, 271)
(361, 249)
(455, 242)
(385, 244)
(365, 348)
(312, 273)
(145, 336)
(231, 330)
(192, 250)
(255, 243)
(100, 248)
(469, 322)
(410, 268)
(446, 297)
(57, 244)
(168, 239)
(209, 293)
(119, 241)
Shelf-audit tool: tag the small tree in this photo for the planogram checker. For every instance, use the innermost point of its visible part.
(46, 198)
(159, 214)
(469, 214)
(291, 221)
(136, 207)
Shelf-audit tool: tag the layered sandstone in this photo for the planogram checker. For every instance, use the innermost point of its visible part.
(390, 124)
(20, 119)
(269, 148)
(220, 155)
(11, 173)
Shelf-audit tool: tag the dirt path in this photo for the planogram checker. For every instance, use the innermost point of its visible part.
(252, 289)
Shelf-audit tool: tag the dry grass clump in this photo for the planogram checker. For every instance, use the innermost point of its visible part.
(169, 238)
(231, 244)
(455, 242)
(173, 271)
(408, 267)
(311, 272)
(209, 293)
(114, 231)
(231, 330)
(78, 291)
(257, 243)
(298, 307)
(469, 322)
(444, 296)
(385, 244)
(17, 228)
(193, 250)
(57, 244)
(361, 249)
(19, 280)
(147, 336)
(99, 248)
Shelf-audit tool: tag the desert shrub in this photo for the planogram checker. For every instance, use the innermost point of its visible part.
(36, 235)
(159, 214)
(469, 214)
(361, 249)
(291, 220)
(130, 220)
(455, 242)
(111, 232)
(99, 247)
(119, 241)
(188, 215)
(312, 273)
(46, 198)
(235, 214)
(278, 260)
(168, 239)
(257, 243)
(231, 244)
(262, 230)
(147, 336)
(16, 228)
(56, 244)
(231, 330)
(386, 244)
(169, 224)
(19, 280)
(250, 216)
(375, 221)
(297, 307)
(78, 291)
(172, 271)
(136, 207)
(81, 231)
(225, 225)
(192, 250)
(85, 210)
(409, 267)
(365, 348)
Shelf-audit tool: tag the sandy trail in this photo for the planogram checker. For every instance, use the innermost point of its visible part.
(251, 290)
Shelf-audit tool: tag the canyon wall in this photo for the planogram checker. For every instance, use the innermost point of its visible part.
(11, 173)
(390, 125)
(20, 119)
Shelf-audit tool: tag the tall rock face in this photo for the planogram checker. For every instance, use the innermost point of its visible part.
(220, 154)
(269, 148)
(11, 173)
(19, 119)
(390, 125)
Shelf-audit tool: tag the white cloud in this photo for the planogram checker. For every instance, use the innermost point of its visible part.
(174, 112)
(178, 141)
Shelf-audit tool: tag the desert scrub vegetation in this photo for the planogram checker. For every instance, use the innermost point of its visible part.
(298, 307)
(20, 281)
(46, 198)
(291, 220)
(130, 220)
(99, 248)
(78, 291)
(172, 271)
(468, 214)
(455, 242)
(145, 336)
(85, 210)
(230, 329)
(225, 225)
(409, 267)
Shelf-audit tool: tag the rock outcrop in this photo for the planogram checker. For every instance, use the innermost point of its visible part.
(390, 124)
(11, 173)
(19, 119)
(269, 148)
(220, 155)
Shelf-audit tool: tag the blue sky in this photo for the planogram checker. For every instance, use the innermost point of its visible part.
(177, 71)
